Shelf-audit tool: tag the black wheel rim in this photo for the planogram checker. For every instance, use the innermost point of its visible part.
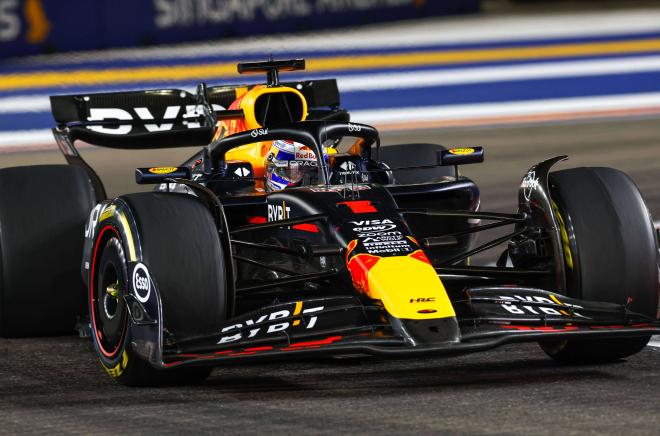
(109, 313)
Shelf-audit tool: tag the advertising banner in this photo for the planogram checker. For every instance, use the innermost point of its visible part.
(47, 26)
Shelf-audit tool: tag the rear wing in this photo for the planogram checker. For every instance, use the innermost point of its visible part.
(163, 118)
(168, 118)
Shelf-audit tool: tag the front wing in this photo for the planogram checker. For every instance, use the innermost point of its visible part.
(346, 325)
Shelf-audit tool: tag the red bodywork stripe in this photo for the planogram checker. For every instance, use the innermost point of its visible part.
(256, 219)
(326, 341)
(252, 350)
(255, 350)
(541, 329)
(305, 227)
(360, 206)
(258, 348)
(420, 255)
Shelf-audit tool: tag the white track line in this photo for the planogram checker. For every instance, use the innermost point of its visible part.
(462, 76)
(24, 104)
(407, 80)
(513, 111)
(41, 102)
(23, 140)
(509, 109)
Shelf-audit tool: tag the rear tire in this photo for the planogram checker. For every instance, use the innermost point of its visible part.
(610, 254)
(180, 246)
(43, 210)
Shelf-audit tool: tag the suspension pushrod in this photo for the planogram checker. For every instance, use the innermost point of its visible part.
(483, 247)
(289, 281)
(270, 247)
(265, 266)
(491, 271)
(513, 217)
(481, 228)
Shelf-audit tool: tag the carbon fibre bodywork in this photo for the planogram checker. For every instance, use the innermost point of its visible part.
(359, 266)
(294, 291)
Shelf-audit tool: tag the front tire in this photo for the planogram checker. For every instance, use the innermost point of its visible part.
(180, 245)
(610, 254)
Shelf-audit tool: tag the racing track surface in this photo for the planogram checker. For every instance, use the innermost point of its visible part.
(54, 385)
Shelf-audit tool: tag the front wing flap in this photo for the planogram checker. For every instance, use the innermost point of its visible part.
(503, 304)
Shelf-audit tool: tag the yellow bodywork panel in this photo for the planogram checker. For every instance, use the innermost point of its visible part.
(409, 288)
(255, 153)
(249, 100)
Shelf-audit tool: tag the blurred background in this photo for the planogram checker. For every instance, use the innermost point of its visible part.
(526, 79)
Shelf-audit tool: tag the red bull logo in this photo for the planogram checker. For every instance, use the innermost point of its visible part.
(305, 153)
(359, 266)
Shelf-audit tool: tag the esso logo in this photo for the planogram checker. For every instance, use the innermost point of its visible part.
(258, 132)
(461, 150)
(162, 170)
(354, 128)
(141, 283)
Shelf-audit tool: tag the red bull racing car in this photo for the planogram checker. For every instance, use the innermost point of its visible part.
(291, 232)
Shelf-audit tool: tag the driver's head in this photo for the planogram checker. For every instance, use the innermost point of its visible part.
(290, 164)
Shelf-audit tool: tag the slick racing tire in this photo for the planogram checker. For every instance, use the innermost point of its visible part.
(414, 155)
(181, 248)
(43, 210)
(610, 254)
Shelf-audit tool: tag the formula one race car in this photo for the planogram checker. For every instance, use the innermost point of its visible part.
(293, 233)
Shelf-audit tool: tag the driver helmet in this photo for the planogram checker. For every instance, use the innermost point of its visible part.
(290, 164)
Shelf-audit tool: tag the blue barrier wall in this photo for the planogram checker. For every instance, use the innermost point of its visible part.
(45, 26)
